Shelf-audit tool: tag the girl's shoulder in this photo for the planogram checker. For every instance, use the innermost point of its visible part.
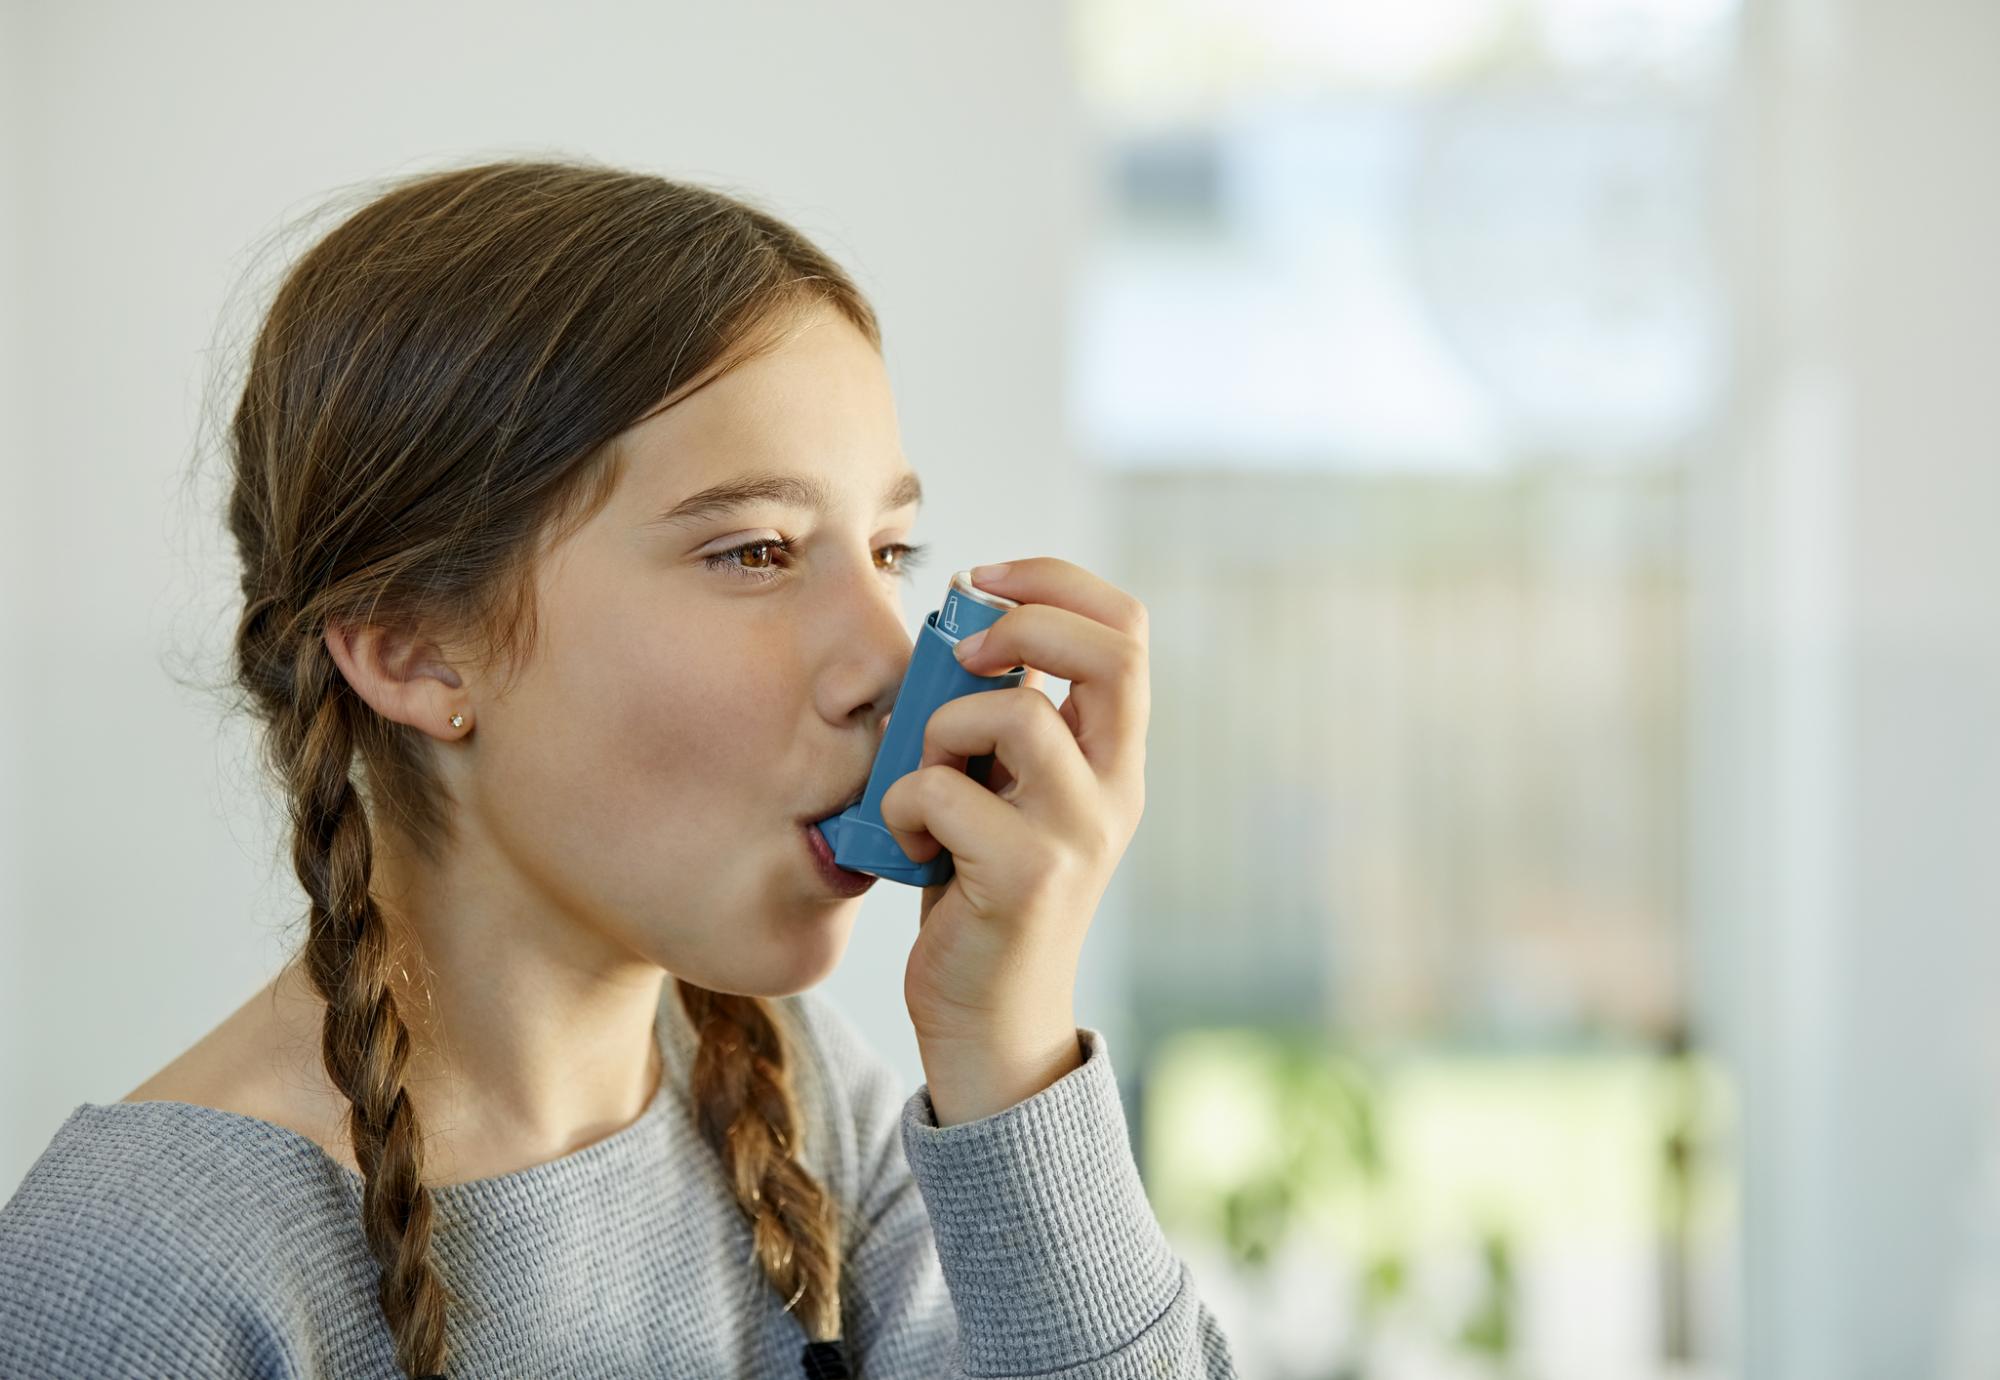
(847, 1090)
(137, 1233)
(861, 1087)
(176, 1180)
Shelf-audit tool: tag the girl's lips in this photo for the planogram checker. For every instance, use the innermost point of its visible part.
(843, 880)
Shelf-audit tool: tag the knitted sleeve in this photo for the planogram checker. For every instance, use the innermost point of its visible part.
(1019, 1244)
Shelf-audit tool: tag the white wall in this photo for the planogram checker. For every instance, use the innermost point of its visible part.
(1848, 797)
(934, 150)
(14, 569)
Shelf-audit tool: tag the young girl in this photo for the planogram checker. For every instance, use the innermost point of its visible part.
(570, 505)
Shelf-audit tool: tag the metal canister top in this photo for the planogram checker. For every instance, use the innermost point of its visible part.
(968, 608)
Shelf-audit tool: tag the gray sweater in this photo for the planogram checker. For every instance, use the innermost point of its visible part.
(165, 1239)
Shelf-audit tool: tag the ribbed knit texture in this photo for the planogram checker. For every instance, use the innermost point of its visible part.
(163, 1239)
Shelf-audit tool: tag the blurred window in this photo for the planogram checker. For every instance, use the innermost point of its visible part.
(1401, 329)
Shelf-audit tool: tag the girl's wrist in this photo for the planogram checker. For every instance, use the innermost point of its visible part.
(973, 1078)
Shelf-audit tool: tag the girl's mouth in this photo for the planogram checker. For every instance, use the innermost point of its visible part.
(845, 881)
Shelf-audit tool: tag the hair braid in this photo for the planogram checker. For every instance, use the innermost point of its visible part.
(364, 1042)
(746, 1110)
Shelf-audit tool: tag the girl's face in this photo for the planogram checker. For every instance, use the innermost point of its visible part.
(687, 707)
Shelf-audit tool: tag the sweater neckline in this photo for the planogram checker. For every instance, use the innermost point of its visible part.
(605, 1148)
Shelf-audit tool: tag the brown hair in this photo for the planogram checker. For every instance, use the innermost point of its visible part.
(429, 404)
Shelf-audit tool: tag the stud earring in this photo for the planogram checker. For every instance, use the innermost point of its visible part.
(458, 721)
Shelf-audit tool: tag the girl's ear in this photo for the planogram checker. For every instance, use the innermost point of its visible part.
(400, 677)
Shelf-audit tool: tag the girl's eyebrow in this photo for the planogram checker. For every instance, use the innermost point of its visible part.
(792, 490)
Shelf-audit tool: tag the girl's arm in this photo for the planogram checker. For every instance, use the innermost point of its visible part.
(1018, 1244)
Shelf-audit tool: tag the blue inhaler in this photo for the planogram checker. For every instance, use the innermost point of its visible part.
(857, 835)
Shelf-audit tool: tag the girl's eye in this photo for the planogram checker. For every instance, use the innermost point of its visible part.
(908, 556)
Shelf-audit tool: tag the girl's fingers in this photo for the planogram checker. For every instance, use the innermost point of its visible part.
(939, 805)
(1105, 666)
(998, 778)
(1051, 580)
(1026, 734)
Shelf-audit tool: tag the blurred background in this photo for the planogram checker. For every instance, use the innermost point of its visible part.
(1556, 440)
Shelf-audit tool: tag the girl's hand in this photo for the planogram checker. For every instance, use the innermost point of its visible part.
(992, 974)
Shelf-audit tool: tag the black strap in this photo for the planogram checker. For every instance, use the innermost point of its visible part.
(826, 1361)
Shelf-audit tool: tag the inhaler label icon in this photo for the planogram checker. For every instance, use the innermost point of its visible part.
(947, 618)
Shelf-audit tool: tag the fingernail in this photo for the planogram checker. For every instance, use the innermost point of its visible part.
(985, 574)
(967, 646)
